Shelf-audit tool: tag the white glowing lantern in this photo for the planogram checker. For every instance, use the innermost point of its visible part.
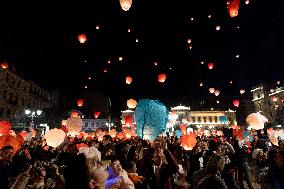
(200, 84)
(54, 137)
(247, 2)
(278, 82)
(64, 122)
(242, 91)
(125, 4)
(211, 90)
(209, 16)
(131, 103)
(217, 93)
(74, 125)
(217, 101)
(237, 56)
(189, 41)
(120, 58)
(218, 28)
(274, 98)
(136, 40)
(97, 27)
(256, 121)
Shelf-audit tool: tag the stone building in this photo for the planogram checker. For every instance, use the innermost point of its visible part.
(17, 94)
(268, 99)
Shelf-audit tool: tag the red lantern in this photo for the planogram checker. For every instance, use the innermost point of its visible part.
(120, 135)
(4, 65)
(128, 80)
(233, 7)
(5, 127)
(112, 133)
(80, 102)
(236, 103)
(82, 38)
(188, 141)
(128, 120)
(97, 114)
(73, 114)
(162, 77)
(274, 98)
(210, 66)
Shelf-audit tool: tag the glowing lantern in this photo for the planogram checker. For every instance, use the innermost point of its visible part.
(282, 99)
(11, 132)
(105, 70)
(274, 98)
(5, 127)
(202, 62)
(4, 65)
(128, 80)
(236, 103)
(189, 41)
(74, 125)
(97, 27)
(242, 91)
(128, 120)
(190, 46)
(217, 101)
(256, 121)
(247, 2)
(211, 90)
(217, 93)
(80, 102)
(128, 133)
(188, 141)
(210, 66)
(125, 4)
(278, 82)
(23, 134)
(101, 136)
(183, 129)
(9, 140)
(86, 86)
(82, 38)
(120, 135)
(97, 114)
(120, 58)
(218, 28)
(136, 40)
(73, 114)
(220, 133)
(209, 16)
(112, 133)
(155, 63)
(233, 7)
(200, 84)
(108, 62)
(131, 103)
(129, 30)
(54, 137)
(162, 77)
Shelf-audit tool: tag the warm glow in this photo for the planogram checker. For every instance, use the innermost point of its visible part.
(129, 30)
(125, 4)
(97, 27)
(200, 84)
(4, 65)
(218, 28)
(82, 38)
(128, 80)
(278, 82)
(131, 103)
(210, 66)
(211, 90)
(217, 93)
(274, 98)
(155, 63)
(136, 40)
(242, 91)
(54, 137)
(105, 70)
(233, 7)
(236, 103)
(97, 114)
(74, 114)
(189, 41)
(120, 58)
(247, 2)
(80, 102)
(162, 77)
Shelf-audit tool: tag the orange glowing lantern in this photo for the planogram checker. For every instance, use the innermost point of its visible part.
(233, 7)
(217, 93)
(4, 65)
(188, 141)
(82, 38)
(23, 134)
(125, 4)
(236, 103)
(120, 135)
(131, 103)
(211, 90)
(5, 127)
(210, 66)
(162, 77)
(73, 114)
(247, 2)
(242, 91)
(128, 133)
(97, 114)
(112, 133)
(274, 98)
(128, 120)
(9, 140)
(80, 102)
(74, 125)
(128, 80)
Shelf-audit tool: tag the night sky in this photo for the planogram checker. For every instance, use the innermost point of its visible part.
(39, 39)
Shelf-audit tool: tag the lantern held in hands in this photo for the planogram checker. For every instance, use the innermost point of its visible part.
(54, 137)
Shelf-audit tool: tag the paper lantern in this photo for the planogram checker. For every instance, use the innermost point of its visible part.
(131, 103)
(125, 4)
(256, 121)
(183, 129)
(128, 133)
(5, 127)
(128, 80)
(11, 132)
(128, 120)
(23, 134)
(156, 63)
(278, 82)
(236, 103)
(207, 133)
(151, 119)
(120, 135)
(162, 77)
(188, 141)
(200, 84)
(74, 125)
(112, 133)
(274, 98)
(233, 7)
(189, 41)
(82, 38)
(9, 140)
(4, 65)
(242, 91)
(54, 137)
(97, 114)
(218, 28)
(210, 66)
(211, 90)
(217, 92)
(247, 2)
(80, 102)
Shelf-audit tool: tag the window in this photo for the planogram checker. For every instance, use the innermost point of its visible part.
(199, 119)
(210, 119)
(215, 119)
(193, 119)
(204, 119)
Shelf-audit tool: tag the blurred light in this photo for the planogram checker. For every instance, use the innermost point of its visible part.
(136, 40)
(120, 58)
(191, 18)
(108, 61)
(38, 112)
(218, 28)
(129, 30)
(98, 27)
(189, 41)
(209, 16)
(27, 112)
(237, 56)
(247, 2)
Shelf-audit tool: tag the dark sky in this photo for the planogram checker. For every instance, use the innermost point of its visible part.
(39, 39)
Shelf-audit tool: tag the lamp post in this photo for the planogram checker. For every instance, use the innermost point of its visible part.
(109, 125)
(32, 115)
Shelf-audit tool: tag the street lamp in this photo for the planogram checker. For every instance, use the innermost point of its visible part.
(32, 115)
(109, 125)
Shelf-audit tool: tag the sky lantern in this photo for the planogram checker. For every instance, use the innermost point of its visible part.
(211, 90)
(128, 80)
(136, 40)
(162, 77)
(183, 129)
(82, 38)
(4, 65)
(189, 41)
(256, 121)
(188, 141)
(209, 16)
(242, 91)
(131, 103)
(74, 125)
(217, 101)
(108, 62)
(120, 135)
(190, 46)
(112, 133)
(129, 30)
(105, 70)
(236, 103)
(210, 66)
(97, 27)
(120, 58)
(217, 93)
(233, 7)
(80, 102)
(156, 63)
(200, 84)
(97, 114)
(73, 114)
(247, 2)
(128, 133)
(5, 127)
(125, 4)
(218, 28)
(54, 137)
(23, 134)
(278, 82)
(274, 98)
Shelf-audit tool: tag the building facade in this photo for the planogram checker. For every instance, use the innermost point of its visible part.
(268, 100)
(90, 125)
(17, 94)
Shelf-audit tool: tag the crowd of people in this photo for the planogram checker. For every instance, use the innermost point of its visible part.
(215, 162)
